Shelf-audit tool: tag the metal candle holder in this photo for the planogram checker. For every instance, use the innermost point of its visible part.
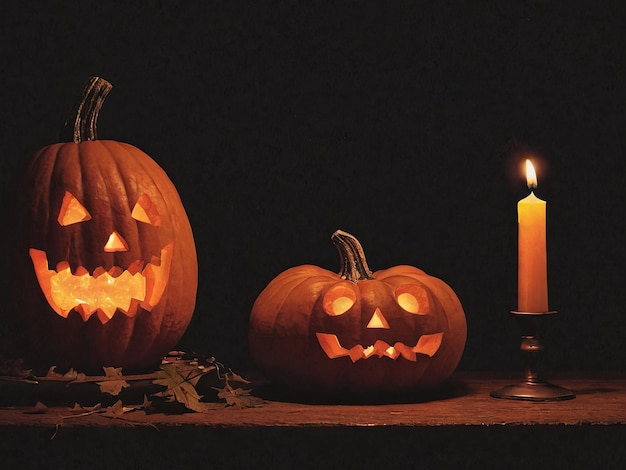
(533, 387)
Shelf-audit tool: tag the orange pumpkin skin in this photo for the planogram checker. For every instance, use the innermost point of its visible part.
(107, 178)
(290, 322)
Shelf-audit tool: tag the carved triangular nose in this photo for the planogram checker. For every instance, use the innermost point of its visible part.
(378, 320)
(115, 243)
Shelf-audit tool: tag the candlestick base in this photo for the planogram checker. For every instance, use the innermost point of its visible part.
(533, 391)
(533, 387)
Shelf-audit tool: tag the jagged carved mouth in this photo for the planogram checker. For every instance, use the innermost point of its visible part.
(426, 344)
(103, 292)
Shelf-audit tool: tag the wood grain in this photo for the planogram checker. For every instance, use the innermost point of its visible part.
(464, 401)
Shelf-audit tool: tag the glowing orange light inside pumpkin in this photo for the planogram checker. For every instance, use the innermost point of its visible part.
(103, 292)
(338, 300)
(115, 243)
(427, 344)
(378, 320)
(413, 299)
(72, 211)
(146, 211)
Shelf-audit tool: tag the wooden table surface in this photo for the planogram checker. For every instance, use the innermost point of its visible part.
(600, 400)
(459, 426)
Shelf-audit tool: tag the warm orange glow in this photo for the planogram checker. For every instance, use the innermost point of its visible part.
(145, 211)
(72, 211)
(413, 299)
(426, 344)
(115, 243)
(338, 300)
(103, 292)
(378, 320)
(532, 284)
(531, 175)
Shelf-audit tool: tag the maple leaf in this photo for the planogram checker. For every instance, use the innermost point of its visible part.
(112, 386)
(238, 397)
(180, 381)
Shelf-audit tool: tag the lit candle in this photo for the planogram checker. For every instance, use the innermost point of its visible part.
(532, 276)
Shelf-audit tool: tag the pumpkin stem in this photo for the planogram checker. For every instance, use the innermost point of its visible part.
(353, 263)
(81, 123)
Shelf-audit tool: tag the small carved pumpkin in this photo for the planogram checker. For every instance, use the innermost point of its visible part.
(357, 332)
(107, 270)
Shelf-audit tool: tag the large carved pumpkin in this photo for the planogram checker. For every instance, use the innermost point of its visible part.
(107, 271)
(357, 332)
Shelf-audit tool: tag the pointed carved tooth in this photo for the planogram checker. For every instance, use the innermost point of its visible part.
(84, 311)
(115, 271)
(380, 347)
(99, 271)
(367, 352)
(135, 267)
(62, 266)
(356, 353)
(406, 351)
(391, 352)
(106, 292)
(106, 313)
(132, 310)
(81, 271)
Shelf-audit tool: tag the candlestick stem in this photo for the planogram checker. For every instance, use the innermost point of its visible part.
(534, 387)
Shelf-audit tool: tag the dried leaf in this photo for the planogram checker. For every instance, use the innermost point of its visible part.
(238, 397)
(113, 387)
(179, 388)
(13, 368)
(233, 377)
(70, 375)
(52, 372)
(38, 409)
(89, 409)
(116, 410)
(146, 403)
(112, 371)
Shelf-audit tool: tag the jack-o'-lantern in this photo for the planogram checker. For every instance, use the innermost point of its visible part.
(107, 269)
(357, 332)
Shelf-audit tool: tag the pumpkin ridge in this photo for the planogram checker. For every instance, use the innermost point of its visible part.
(39, 164)
(67, 162)
(321, 329)
(175, 211)
(283, 314)
(109, 145)
(280, 312)
(124, 165)
(102, 175)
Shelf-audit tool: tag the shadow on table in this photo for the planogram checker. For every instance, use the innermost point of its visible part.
(276, 392)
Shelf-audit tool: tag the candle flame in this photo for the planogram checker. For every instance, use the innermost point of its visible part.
(531, 176)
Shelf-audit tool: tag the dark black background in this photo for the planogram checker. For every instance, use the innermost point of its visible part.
(400, 122)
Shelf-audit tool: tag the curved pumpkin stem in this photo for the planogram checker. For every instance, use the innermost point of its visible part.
(353, 263)
(81, 123)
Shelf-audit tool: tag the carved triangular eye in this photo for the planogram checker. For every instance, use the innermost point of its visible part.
(145, 211)
(72, 211)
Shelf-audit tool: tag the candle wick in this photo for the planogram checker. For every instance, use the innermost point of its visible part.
(532, 186)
